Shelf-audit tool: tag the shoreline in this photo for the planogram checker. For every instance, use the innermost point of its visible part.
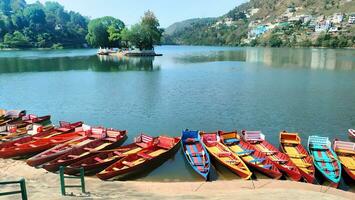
(44, 185)
(295, 47)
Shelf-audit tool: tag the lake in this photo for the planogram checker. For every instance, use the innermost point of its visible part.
(310, 91)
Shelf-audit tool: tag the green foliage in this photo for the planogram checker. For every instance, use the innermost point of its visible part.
(41, 25)
(145, 34)
(105, 32)
(16, 40)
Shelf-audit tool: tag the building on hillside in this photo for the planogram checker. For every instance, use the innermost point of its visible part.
(306, 19)
(351, 19)
(337, 18)
(333, 29)
(322, 26)
(258, 31)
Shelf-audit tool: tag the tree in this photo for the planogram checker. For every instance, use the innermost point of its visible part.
(275, 41)
(16, 40)
(98, 32)
(145, 34)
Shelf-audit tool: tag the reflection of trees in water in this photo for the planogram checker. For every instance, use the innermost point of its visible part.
(280, 57)
(306, 58)
(94, 63)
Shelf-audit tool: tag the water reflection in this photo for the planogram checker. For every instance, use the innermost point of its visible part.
(328, 59)
(93, 63)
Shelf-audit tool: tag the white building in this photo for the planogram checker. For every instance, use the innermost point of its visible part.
(322, 26)
(351, 19)
(337, 18)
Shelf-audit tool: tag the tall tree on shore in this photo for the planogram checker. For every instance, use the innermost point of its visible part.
(145, 34)
(105, 32)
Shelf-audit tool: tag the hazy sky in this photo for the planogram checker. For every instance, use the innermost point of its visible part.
(167, 11)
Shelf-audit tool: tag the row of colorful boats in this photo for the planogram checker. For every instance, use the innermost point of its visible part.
(99, 152)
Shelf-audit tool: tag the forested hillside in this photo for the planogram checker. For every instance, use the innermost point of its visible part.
(39, 25)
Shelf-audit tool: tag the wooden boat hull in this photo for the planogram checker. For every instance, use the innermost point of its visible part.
(290, 144)
(281, 161)
(325, 160)
(248, 154)
(68, 128)
(138, 169)
(215, 148)
(346, 154)
(351, 134)
(195, 153)
(92, 165)
(55, 152)
(28, 149)
(66, 159)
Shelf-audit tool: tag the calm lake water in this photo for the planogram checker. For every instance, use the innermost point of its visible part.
(310, 91)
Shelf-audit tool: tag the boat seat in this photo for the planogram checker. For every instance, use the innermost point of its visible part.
(128, 164)
(196, 154)
(199, 164)
(325, 160)
(269, 153)
(245, 152)
(281, 161)
(257, 160)
(110, 139)
(88, 149)
(331, 170)
(297, 155)
(231, 141)
(224, 154)
(233, 161)
(144, 155)
(98, 160)
(17, 144)
(268, 166)
(289, 142)
(318, 148)
(73, 156)
(190, 140)
(118, 153)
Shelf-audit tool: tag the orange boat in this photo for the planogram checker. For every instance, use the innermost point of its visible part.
(290, 144)
(346, 155)
(224, 155)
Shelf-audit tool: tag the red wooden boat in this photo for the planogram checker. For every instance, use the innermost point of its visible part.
(162, 149)
(37, 146)
(351, 133)
(22, 127)
(110, 138)
(251, 156)
(290, 144)
(282, 161)
(98, 162)
(10, 116)
(64, 127)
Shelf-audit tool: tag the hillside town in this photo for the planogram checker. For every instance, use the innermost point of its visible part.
(338, 22)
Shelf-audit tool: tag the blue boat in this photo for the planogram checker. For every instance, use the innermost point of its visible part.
(325, 159)
(195, 153)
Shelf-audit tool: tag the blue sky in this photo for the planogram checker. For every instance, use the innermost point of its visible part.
(167, 11)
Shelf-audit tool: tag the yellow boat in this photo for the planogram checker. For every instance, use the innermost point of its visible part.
(346, 155)
(224, 155)
(290, 144)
